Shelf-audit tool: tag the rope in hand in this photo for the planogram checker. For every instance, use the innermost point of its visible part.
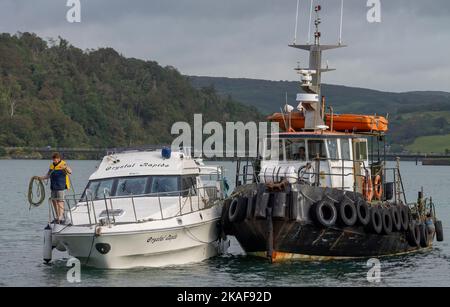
(36, 182)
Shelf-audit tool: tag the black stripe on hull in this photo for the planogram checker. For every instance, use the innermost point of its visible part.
(294, 238)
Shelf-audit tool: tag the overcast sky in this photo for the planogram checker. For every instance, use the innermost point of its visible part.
(409, 49)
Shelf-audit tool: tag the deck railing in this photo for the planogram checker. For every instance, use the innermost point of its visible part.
(204, 197)
(311, 172)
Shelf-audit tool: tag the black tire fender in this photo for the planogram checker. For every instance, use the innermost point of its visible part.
(387, 221)
(439, 231)
(396, 218)
(376, 223)
(413, 234)
(237, 210)
(423, 235)
(324, 213)
(362, 209)
(405, 217)
(346, 213)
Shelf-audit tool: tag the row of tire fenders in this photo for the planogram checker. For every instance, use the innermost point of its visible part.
(380, 219)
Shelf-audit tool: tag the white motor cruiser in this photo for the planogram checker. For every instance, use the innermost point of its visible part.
(144, 209)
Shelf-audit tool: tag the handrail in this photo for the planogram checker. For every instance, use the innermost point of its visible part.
(180, 198)
(155, 194)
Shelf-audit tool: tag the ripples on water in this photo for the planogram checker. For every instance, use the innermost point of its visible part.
(21, 246)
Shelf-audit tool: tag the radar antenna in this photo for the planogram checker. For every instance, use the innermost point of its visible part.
(311, 76)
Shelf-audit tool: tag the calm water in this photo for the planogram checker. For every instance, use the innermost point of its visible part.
(21, 246)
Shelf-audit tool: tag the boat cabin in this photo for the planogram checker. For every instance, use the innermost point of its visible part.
(328, 159)
(137, 186)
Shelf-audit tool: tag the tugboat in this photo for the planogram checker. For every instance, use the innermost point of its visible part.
(143, 209)
(321, 195)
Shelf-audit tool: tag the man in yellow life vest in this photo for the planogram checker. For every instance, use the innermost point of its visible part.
(58, 173)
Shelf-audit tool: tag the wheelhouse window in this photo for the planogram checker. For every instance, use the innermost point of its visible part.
(361, 150)
(316, 148)
(332, 149)
(295, 150)
(345, 149)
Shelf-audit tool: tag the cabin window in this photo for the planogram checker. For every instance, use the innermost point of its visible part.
(97, 187)
(361, 150)
(345, 149)
(332, 149)
(295, 150)
(316, 148)
(165, 185)
(189, 185)
(93, 187)
(131, 186)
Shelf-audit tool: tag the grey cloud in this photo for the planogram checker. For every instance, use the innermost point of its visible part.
(408, 50)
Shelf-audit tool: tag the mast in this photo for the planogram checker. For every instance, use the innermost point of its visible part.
(311, 76)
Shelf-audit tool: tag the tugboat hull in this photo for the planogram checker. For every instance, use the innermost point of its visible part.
(293, 241)
(287, 230)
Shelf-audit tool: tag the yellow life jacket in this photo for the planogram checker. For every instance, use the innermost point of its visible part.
(59, 179)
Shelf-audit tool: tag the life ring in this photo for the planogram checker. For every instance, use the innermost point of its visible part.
(377, 187)
(368, 189)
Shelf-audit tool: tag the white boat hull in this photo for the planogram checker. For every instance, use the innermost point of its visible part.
(130, 248)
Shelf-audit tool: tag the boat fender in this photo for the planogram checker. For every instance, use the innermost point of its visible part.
(376, 223)
(404, 215)
(295, 209)
(324, 213)
(430, 226)
(269, 242)
(251, 202)
(262, 201)
(347, 215)
(396, 218)
(368, 188)
(47, 252)
(423, 235)
(362, 210)
(387, 221)
(279, 206)
(439, 231)
(413, 234)
(237, 210)
(225, 221)
(378, 188)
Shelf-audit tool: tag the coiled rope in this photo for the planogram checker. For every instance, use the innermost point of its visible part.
(36, 188)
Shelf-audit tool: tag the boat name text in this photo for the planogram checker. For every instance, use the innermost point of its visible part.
(145, 164)
(168, 237)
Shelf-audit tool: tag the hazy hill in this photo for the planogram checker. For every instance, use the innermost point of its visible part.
(52, 93)
(411, 114)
